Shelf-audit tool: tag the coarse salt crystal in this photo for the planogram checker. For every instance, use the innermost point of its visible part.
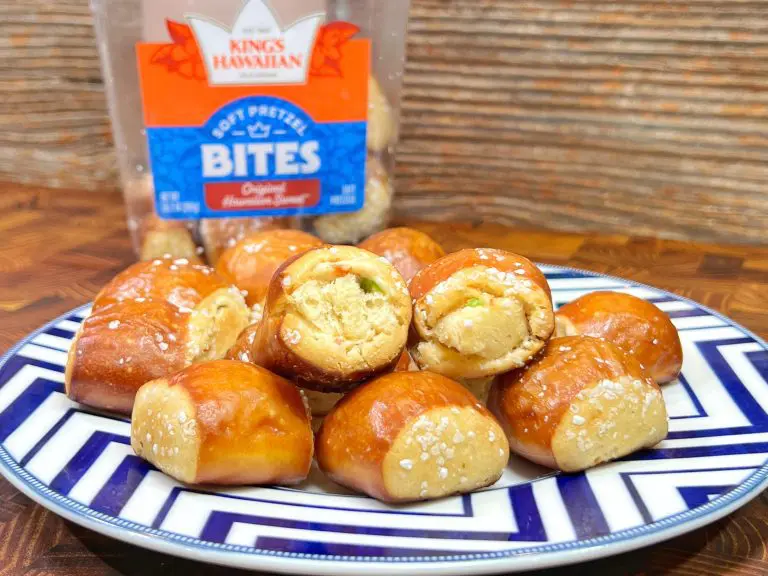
(114, 324)
(578, 420)
(406, 464)
(443, 472)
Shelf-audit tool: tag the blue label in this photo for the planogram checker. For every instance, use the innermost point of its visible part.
(258, 156)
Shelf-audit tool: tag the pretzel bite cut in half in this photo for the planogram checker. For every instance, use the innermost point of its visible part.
(478, 313)
(635, 325)
(151, 320)
(411, 436)
(334, 316)
(223, 422)
(581, 402)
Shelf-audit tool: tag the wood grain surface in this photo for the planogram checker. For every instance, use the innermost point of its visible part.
(57, 248)
(637, 117)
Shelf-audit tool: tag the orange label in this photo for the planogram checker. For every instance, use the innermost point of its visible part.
(256, 119)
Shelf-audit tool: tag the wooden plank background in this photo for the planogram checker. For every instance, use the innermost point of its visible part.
(629, 116)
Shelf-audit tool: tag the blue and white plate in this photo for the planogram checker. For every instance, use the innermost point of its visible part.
(79, 464)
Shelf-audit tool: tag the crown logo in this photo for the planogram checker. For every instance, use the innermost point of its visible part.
(257, 49)
(259, 130)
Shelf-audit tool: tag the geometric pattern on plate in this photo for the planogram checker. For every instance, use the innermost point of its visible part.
(79, 463)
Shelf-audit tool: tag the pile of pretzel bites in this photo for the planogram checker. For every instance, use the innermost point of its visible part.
(408, 374)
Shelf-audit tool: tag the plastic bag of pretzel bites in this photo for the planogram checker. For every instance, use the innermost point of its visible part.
(233, 116)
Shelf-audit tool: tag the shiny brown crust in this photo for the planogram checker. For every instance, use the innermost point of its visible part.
(137, 331)
(405, 363)
(270, 348)
(357, 434)
(179, 282)
(252, 425)
(635, 325)
(117, 350)
(408, 250)
(252, 261)
(530, 402)
(218, 234)
(241, 349)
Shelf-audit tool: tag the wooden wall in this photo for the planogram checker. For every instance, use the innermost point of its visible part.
(644, 117)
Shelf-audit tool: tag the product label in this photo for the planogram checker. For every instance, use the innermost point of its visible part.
(256, 119)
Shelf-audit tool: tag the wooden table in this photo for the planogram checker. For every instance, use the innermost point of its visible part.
(57, 248)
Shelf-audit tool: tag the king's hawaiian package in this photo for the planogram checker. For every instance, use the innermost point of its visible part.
(233, 116)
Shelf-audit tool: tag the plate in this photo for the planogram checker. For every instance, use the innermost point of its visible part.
(79, 464)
